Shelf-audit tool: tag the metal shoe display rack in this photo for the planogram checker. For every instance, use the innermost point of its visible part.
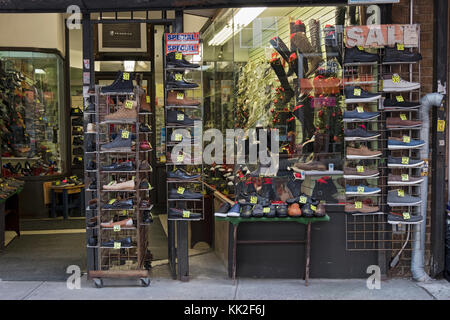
(187, 205)
(366, 231)
(76, 133)
(406, 70)
(117, 261)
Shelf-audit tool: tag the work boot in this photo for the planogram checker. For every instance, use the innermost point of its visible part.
(325, 189)
(176, 80)
(122, 84)
(177, 60)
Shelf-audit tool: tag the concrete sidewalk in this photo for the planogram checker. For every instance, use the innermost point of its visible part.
(210, 281)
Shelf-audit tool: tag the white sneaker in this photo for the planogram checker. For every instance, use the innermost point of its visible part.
(397, 84)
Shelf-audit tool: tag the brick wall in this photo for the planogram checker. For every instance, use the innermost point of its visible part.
(422, 14)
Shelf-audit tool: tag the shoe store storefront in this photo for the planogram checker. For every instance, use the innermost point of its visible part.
(289, 141)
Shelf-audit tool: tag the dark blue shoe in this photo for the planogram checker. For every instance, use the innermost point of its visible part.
(395, 143)
(359, 134)
(181, 175)
(354, 115)
(235, 211)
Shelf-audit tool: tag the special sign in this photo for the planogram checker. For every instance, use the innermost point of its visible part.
(377, 36)
(186, 43)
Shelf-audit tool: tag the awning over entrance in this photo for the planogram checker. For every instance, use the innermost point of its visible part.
(121, 5)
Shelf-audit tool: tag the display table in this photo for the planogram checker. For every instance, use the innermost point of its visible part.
(9, 216)
(302, 220)
(66, 203)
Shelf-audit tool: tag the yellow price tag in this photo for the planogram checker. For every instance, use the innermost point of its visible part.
(117, 245)
(358, 205)
(406, 216)
(180, 158)
(180, 95)
(116, 228)
(360, 109)
(405, 160)
(80, 159)
(178, 137)
(266, 210)
(162, 158)
(75, 110)
(401, 193)
(313, 208)
(357, 92)
(180, 190)
(129, 104)
(126, 76)
(359, 168)
(186, 214)
(406, 139)
(303, 199)
(403, 116)
(360, 189)
(125, 212)
(125, 134)
(180, 117)
(147, 99)
(178, 56)
(396, 78)
(57, 183)
(178, 77)
(253, 199)
(405, 177)
(399, 98)
(79, 129)
(400, 46)
(441, 125)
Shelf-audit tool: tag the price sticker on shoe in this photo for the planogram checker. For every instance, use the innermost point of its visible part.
(361, 48)
(116, 228)
(186, 214)
(406, 139)
(253, 199)
(360, 109)
(126, 76)
(180, 190)
(178, 137)
(125, 134)
(360, 189)
(129, 104)
(360, 169)
(180, 117)
(180, 95)
(178, 77)
(406, 216)
(405, 160)
(266, 210)
(313, 208)
(401, 193)
(117, 245)
(178, 56)
(403, 116)
(400, 46)
(147, 99)
(396, 78)
(405, 177)
(112, 201)
(357, 92)
(400, 99)
(180, 158)
(303, 199)
(358, 205)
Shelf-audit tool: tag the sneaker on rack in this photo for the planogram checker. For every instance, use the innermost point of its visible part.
(357, 95)
(398, 198)
(356, 55)
(404, 218)
(396, 84)
(393, 54)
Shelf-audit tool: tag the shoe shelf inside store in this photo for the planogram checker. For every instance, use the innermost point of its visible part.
(118, 166)
(183, 124)
(383, 175)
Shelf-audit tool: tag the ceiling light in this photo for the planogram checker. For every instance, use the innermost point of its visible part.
(239, 21)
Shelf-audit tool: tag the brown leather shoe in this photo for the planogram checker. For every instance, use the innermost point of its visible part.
(144, 106)
(360, 207)
(397, 122)
(124, 112)
(362, 153)
(294, 210)
(178, 98)
(309, 166)
(360, 172)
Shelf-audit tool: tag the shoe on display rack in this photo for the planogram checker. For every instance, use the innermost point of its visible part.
(404, 218)
(325, 189)
(182, 193)
(178, 60)
(118, 144)
(175, 80)
(359, 115)
(356, 55)
(404, 162)
(360, 207)
(235, 211)
(246, 211)
(119, 186)
(119, 166)
(396, 84)
(294, 210)
(399, 103)
(223, 210)
(126, 112)
(179, 98)
(180, 174)
(362, 153)
(360, 134)
(402, 122)
(178, 118)
(398, 198)
(122, 84)
(360, 172)
(395, 143)
(361, 190)
(124, 243)
(175, 213)
(394, 54)
(357, 95)
(403, 180)
(258, 211)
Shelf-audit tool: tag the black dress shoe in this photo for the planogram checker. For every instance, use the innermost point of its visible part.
(181, 175)
(92, 165)
(175, 117)
(147, 217)
(258, 211)
(122, 166)
(92, 241)
(177, 60)
(354, 55)
(392, 54)
(182, 214)
(175, 80)
(124, 243)
(93, 184)
(181, 193)
(282, 210)
(246, 211)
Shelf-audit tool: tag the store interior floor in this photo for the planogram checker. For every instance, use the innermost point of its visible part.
(48, 246)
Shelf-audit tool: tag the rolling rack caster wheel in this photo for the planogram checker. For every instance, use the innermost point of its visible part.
(98, 283)
(145, 282)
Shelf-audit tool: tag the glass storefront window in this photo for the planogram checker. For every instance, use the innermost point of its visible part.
(31, 101)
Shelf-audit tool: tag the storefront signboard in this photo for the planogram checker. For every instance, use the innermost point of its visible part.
(378, 36)
(185, 43)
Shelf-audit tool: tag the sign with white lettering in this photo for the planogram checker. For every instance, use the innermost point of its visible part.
(185, 43)
(378, 36)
